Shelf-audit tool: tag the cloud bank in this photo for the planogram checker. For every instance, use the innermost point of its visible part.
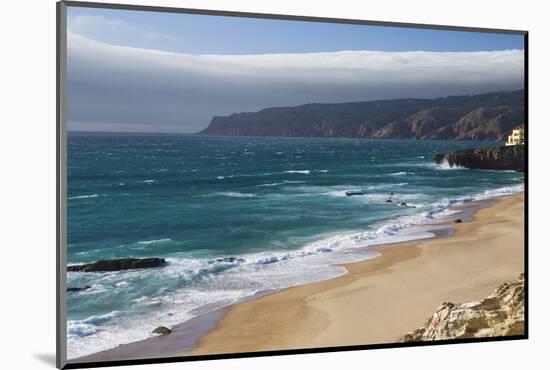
(116, 88)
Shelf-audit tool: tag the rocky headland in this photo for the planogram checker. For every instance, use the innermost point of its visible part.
(500, 314)
(490, 116)
(496, 158)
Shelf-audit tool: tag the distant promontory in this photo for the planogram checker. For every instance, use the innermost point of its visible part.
(489, 116)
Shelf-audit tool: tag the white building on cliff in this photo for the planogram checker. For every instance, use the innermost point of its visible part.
(517, 137)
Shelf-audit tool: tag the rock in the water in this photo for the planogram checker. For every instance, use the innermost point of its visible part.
(78, 289)
(162, 330)
(353, 192)
(500, 314)
(118, 264)
(404, 204)
(227, 259)
(500, 158)
(458, 221)
(438, 158)
(389, 200)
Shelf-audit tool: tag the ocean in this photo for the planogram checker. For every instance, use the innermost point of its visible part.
(278, 205)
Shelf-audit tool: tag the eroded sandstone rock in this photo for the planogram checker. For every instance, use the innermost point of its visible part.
(500, 314)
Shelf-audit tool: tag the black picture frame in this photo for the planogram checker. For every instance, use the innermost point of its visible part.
(61, 194)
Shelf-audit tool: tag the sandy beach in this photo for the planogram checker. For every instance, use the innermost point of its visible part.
(382, 299)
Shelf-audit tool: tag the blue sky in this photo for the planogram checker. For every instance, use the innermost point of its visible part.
(161, 72)
(202, 34)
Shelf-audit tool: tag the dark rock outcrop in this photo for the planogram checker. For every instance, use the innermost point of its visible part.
(404, 204)
(162, 330)
(118, 264)
(78, 289)
(481, 117)
(499, 158)
(229, 260)
(500, 314)
(438, 158)
(350, 193)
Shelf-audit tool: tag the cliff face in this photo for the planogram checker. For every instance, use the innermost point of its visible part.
(500, 158)
(487, 116)
(500, 314)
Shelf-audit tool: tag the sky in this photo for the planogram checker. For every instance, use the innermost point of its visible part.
(135, 71)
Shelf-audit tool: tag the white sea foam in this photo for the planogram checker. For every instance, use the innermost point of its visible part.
(339, 193)
(401, 173)
(271, 184)
(149, 181)
(143, 300)
(444, 165)
(235, 194)
(78, 329)
(85, 196)
(507, 190)
(302, 172)
(386, 186)
(154, 241)
(221, 177)
(88, 326)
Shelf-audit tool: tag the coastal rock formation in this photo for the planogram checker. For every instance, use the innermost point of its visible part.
(78, 289)
(499, 158)
(477, 117)
(229, 260)
(118, 264)
(500, 314)
(162, 330)
(438, 158)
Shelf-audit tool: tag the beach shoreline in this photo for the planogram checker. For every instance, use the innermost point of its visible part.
(326, 313)
(399, 290)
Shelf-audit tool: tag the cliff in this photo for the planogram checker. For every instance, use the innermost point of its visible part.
(500, 314)
(499, 158)
(476, 117)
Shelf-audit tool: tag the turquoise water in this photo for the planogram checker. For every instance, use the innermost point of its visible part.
(277, 204)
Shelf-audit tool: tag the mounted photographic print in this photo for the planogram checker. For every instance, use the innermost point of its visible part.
(236, 184)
